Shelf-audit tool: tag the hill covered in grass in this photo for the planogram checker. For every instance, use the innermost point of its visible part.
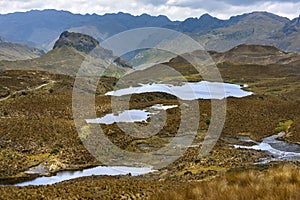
(11, 51)
(68, 54)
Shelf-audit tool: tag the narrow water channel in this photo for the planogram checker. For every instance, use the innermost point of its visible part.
(101, 170)
(279, 150)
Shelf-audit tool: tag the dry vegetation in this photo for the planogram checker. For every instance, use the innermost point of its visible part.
(37, 128)
(277, 184)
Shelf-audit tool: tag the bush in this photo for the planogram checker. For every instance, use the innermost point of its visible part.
(207, 121)
(56, 148)
(282, 182)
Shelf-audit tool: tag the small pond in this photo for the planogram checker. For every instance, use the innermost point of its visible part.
(188, 90)
(101, 170)
(130, 115)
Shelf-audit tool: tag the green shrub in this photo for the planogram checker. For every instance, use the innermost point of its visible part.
(207, 121)
(56, 148)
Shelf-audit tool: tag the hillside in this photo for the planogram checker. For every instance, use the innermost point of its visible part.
(288, 36)
(68, 54)
(253, 28)
(256, 54)
(11, 51)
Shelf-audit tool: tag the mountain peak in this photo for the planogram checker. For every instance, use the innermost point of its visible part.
(78, 41)
(206, 16)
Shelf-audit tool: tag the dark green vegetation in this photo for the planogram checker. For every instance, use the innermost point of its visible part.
(37, 125)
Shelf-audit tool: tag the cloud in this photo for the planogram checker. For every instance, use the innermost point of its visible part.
(174, 9)
(251, 2)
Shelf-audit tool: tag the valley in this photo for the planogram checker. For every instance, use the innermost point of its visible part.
(79, 121)
(37, 126)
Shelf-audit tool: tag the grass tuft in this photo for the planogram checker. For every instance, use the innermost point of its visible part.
(277, 183)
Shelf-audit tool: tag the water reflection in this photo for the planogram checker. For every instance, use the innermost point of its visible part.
(280, 150)
(130, 115)
(102, 170)
(188, 90)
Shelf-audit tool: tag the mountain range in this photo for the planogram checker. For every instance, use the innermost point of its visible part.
(42, 28)
(72, 51)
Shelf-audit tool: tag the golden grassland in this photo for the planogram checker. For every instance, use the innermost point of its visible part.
(278, 183)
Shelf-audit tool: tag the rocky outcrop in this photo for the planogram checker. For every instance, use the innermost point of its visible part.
(78, 41)
(85, 43)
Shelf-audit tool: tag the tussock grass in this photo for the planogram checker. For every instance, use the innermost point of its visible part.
(277, 183)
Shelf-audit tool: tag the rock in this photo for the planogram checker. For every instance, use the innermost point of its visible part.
(85, 43)
(78, 41)
(56, 166)
(188, 173)
(40, 169)
(281, 134)
(4, 92)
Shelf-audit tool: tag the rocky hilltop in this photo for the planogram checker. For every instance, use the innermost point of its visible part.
(78, 41)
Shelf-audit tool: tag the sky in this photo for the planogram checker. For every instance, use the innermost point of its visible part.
(174, 9)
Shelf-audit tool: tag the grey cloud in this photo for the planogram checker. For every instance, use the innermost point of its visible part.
(251, 2)
(209, 6)
(155, 2)
(174, 9)
(218, 4)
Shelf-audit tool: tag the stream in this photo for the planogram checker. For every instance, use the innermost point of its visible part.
(279, 150)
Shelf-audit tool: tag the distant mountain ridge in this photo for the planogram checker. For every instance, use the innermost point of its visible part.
(10, 51)
(42, 28)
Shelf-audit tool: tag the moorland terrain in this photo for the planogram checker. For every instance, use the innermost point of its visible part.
(41, 53)
(37, 127)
